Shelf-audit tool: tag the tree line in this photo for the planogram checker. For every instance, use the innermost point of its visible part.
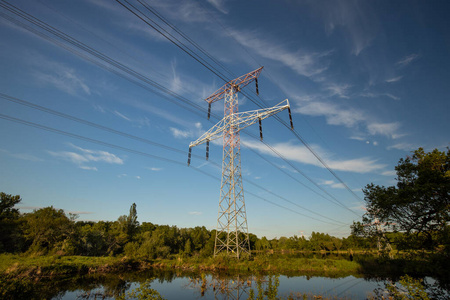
(415, 214)
(51, 231)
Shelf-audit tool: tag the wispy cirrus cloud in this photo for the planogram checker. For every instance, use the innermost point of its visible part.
(353, 18)
(178, 133)
(84, 156)
(154, 169)
(302, 62)
(407, 60)
(402, 146)
(303, 155)
(219, 5)
(195, 213)
(120, 115)
(23, 156)
(333, 184)
(334, 114)
(394, 79)
(387, 129)
(377, 95)
(389, 173)
(58, 75)
(187, 133)
(339, 90)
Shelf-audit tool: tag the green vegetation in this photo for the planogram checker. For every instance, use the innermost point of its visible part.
(417, 210)
(48, 242)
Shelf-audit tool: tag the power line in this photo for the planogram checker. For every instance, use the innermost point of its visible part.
(115, 63)
(296, 134)
(92, 124)
(125, 149)
(147, 141)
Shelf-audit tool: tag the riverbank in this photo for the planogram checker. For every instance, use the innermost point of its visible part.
(38, 266)
(29, 276)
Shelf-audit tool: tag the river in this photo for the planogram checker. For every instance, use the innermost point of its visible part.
(182, 285)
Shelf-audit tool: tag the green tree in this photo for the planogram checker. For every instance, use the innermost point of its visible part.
(50, 229)
(132, 222)
(419, 205)
(9, 223)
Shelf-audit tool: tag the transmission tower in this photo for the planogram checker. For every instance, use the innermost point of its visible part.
(232, 228)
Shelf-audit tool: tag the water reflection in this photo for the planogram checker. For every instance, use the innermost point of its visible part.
(192, 285)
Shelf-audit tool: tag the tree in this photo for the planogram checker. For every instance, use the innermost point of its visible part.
(49, 229)
(419, 205)
(9, 222)
(132, 223)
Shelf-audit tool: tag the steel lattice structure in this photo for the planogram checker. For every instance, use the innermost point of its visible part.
(232, 228)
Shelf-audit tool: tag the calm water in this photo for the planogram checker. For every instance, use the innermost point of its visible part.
(236, 287)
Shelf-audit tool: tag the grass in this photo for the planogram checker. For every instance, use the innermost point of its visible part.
(35, 266)
(38, 266)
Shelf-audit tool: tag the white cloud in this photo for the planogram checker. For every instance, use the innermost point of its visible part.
(303, 155)
(70, 156)
(333, 184)
(137, 177)
(389, 173)
(372, 95)
(351, 17)
(175, 84)
(182, 11)
(407, 60)
(358, 138)
(121, 115)
(338, 90)
(391, 96)
(155, 169)
(88, 168)
(304, 63)
(23, 156)
(219, 5)
(84, 156)
(395, 79)
(177, 133)
(195, 213)
(58, 75)
(334, 114)
(386, 129)
(99, 156)
(157, 111)
(402, 146)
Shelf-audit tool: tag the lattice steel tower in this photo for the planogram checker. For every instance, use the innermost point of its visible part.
(232, 228)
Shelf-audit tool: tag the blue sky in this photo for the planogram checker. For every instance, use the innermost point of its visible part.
(367, 82)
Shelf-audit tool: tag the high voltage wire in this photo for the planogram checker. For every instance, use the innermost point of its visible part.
(99, 142)
(220, 75)
(113, 62)
(92, 124)
(170, 37)
(336, 201)
(97, 54)
(147, 141)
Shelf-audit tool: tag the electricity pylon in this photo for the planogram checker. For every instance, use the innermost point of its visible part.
(232, 228)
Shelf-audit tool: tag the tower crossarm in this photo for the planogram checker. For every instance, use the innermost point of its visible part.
(239, 121)
(237, 83)
(248, 118)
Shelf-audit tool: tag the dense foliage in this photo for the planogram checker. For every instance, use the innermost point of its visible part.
(417, 209)
(51, 231)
